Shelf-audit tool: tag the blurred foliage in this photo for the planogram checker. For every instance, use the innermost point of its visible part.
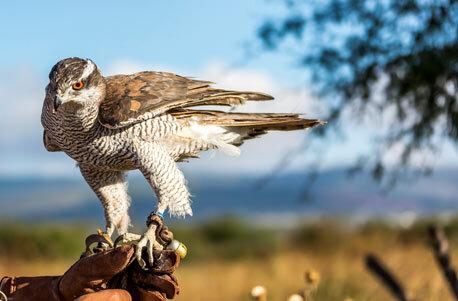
(325, 235)
(394, 58)
(30, 242)
(225, 238)
(228, 238)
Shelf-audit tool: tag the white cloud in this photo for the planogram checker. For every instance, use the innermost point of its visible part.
(287, 99)
(21, 150)
(20, 101)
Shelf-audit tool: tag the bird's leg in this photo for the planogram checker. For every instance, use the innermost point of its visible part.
(149, 239)
(111, 189)
(125, 237)
(169, 185)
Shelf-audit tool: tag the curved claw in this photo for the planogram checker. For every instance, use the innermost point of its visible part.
(101, 237)
(148, 241)
(126, 238)
(138, 251)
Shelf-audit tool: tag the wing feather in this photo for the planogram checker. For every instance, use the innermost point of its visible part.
(143, 95)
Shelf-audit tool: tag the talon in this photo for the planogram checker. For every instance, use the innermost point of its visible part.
(138, 252)
(126, 238)
(148, 241)
(100, 238)
(150, 248)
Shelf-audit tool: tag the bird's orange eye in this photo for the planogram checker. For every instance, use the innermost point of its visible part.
(78, 86)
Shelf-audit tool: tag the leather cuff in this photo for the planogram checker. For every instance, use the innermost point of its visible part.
(155, 218)
(44, 288)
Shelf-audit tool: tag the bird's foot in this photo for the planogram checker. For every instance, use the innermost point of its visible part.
(127, 238)
(102, 239)
(148, 241)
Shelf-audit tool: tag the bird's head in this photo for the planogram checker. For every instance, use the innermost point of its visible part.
(75, 81)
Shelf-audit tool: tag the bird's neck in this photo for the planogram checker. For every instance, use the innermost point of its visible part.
(80, 119)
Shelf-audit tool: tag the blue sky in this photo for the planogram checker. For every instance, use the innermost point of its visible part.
(205, 39)
(186, 34)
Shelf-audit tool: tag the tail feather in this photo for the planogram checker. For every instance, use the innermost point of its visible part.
(244, 125)
(266, 121)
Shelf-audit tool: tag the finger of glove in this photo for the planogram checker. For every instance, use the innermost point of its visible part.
(163, 283)
(91, 273)
(166, 235)
(165, 261)
(147, 295)
(107, 295)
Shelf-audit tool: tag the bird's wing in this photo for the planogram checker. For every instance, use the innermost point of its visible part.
(237, 127)
(133, 98)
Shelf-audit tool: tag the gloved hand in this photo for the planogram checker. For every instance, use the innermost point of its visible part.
(155, 284)
(108, 275)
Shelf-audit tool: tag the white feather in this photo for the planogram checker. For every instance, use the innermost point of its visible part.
(90, 67)
(217, 136)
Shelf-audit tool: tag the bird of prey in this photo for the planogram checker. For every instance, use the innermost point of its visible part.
(146, 121)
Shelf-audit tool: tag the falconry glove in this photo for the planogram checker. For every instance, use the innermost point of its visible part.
(157, 282)
(108, 274)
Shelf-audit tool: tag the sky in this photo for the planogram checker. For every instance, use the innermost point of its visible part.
(203, 39)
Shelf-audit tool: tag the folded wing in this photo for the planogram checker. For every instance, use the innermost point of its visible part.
(133, 98)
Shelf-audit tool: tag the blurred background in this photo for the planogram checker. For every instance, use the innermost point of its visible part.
(382, 73)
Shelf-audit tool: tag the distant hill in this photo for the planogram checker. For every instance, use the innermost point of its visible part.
(332, 194)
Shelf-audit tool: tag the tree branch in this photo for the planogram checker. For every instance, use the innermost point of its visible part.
(377, 268)
(440, 247)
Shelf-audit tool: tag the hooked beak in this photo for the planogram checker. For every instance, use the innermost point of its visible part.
(57, 102)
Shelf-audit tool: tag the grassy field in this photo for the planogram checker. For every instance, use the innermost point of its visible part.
(227, 258)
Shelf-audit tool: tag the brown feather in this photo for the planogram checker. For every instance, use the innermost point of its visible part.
(267, 121)
(128, 97)
(248, 125)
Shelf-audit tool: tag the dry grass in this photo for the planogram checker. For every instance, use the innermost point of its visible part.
(342, 276)
(16, 267)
